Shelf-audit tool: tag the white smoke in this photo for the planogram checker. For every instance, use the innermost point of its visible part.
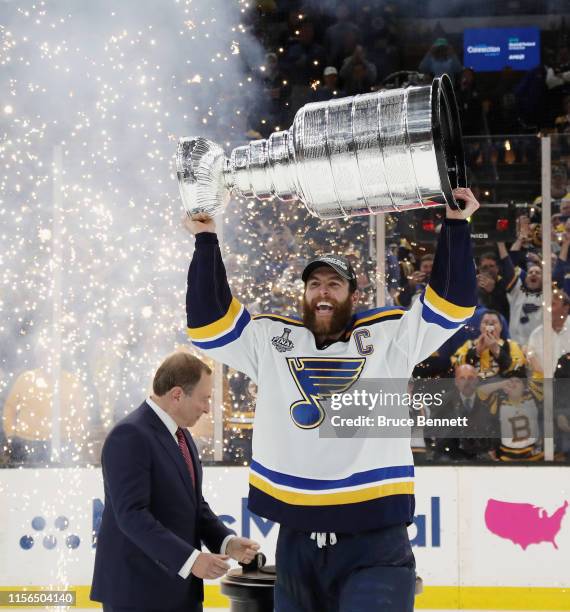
(94, 98)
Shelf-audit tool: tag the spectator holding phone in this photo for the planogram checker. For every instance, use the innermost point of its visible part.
(491, 287)
(416, 282)
(489, 353)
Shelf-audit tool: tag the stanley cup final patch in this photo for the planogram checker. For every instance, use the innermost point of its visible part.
(282, 342)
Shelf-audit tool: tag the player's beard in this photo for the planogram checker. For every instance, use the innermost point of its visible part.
(335, 324)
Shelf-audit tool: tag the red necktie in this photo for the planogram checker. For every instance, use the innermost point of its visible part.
(183, 445)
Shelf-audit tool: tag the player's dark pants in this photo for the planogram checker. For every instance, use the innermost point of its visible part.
(366, 572)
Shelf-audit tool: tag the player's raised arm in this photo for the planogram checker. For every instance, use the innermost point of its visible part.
(217, 323)
(450, 298)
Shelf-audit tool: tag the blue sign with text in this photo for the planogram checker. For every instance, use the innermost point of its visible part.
(491, 49)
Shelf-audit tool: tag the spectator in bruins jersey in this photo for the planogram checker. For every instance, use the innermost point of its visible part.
(524, 292)
(516, 406)
(489, 353)
(353, 496)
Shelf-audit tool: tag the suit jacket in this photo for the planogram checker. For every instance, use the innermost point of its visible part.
(154, 518)
(480, 423)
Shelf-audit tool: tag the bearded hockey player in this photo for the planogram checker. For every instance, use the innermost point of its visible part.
(343, 505)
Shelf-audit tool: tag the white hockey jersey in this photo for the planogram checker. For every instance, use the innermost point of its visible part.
(298, 478)
(525, 305)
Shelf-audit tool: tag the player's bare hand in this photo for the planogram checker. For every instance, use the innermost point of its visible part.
(198, 223)
(464, 194)
(210, 566)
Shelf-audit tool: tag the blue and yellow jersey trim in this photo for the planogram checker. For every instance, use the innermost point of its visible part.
(442, 312)
(368, 317)
(357, 488)
(224, 330)
(377, 315)
(280, 319)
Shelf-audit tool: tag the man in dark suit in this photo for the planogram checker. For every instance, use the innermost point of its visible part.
(148, 554)
(463, 401)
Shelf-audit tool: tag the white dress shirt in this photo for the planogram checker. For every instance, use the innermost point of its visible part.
(171, 425)
(560, 344)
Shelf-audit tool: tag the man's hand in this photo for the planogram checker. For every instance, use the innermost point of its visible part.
(480, 344)
(209, 566)
(199, 223)
(524, 231)
(487, 341)
(471, 205)
(242, 550)
(485, 282)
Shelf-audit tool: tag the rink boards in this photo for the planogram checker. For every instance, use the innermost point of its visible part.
(484, 538)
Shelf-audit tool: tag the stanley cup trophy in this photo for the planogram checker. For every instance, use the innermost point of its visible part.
(380, 152)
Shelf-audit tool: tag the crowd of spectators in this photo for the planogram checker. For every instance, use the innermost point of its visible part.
(493, 368)
(498, 354)
(497, 360)
(317, 51)
(323, 51)
(320, 50)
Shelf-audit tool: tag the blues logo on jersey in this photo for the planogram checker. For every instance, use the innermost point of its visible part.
(318, 378)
